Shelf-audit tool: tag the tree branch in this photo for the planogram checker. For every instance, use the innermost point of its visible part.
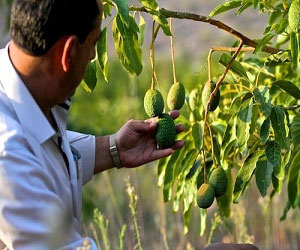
(205, 19)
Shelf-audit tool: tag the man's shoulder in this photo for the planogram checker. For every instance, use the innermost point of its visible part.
(11, 132)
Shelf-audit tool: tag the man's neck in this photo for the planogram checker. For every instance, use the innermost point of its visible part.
(35, 72)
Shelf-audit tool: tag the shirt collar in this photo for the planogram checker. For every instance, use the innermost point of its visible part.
(29, 113)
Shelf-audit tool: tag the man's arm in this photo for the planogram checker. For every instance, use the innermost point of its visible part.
(136, 145)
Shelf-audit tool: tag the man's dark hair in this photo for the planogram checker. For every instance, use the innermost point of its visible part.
(36, 25)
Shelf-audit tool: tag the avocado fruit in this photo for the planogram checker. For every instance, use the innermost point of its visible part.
(207, 90)
(153, 103)
(166, 131)
(294, 16)
(218, 179)
(176, 96)
(205, 195)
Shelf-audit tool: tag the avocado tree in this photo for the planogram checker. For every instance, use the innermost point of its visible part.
(246, 119)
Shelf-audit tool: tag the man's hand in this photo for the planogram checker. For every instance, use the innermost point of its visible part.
(136, 142)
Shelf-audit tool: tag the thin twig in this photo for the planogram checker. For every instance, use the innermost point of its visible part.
(292, 107)
(218, 84)
(205, 19)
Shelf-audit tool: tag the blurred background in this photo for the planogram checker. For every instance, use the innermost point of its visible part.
(254, 220)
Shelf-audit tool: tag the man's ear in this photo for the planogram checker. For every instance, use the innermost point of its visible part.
(69, 52)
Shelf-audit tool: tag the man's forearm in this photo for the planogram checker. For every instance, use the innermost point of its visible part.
(103, 159)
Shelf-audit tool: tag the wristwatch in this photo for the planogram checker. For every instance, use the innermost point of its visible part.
(114, 151)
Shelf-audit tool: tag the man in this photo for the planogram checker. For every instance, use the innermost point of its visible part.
(42, 165)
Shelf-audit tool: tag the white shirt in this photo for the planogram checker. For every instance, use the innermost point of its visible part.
(40, 201)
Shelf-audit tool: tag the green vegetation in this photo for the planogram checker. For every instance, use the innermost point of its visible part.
(176, 96)
(165, 131)
(153, 103)
(205, 195)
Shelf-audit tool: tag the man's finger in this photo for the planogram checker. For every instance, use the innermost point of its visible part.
(178, 144)
(179, 128)
(161, 153)
(174, 114)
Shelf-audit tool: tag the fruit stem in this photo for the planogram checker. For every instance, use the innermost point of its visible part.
(209, 64)
(172, 52)
(204, 160)
(212, 146)
(152, 55)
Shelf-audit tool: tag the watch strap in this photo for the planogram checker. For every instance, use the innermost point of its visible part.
(114, 151)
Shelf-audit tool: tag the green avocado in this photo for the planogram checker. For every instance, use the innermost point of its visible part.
(218, 180)
(205, 195)
(153, 103)
(166, 131)
(207, 90)
(176, 96)
(294, 16)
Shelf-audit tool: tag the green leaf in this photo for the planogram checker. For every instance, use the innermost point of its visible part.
(274, 16)
(163, 22)
(203, 221)
(286, 210)
(225, 7)
(149, 4)
(161, 168)
(263, 42)
(186, 219)
(236, 67)
(224, 201)
(255, 3)
(243, 124)
(229, 138)
(278, 121)
(265, 130)
(89, 78)
(278, 177)
(197, 135)
(282, 26)
(278, 59)
(243, 8)
(107, 8)
(102, 53)
(263, 175)
(273, 151)
(293, 178)
(244, 174)
(187, 162)
(169, 176)
(190, 192)
(127, 45)
(142, 26)
(255, 116)
(288, 87)
(264, 99)
(294, 39)
(189, 159)
(123, 9)
(295, 130)
(152, 7)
